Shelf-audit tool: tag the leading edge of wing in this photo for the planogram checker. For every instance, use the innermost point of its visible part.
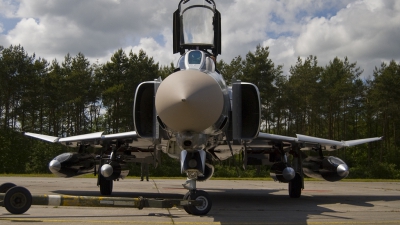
(362, 141)
(335, 144)
(84, 137)
(275, 137)
(42, 137)
(328, 144)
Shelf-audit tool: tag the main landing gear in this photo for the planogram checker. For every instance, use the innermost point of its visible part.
(295, 186)
(297, 183)
(194, 194)
(106, 186)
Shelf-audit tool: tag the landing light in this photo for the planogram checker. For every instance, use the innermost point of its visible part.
(192, 163)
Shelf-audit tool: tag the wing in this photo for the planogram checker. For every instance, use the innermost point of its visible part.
(95, 139)
(307, 142)
(331, 145)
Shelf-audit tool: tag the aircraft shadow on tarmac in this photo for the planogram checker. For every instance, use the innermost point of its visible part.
(256, 206)
(238, 206)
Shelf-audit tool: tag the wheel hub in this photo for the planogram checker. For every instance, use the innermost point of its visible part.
(18, 200)
(205, 203)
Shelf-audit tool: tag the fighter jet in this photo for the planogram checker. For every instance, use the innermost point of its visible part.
(196, 118)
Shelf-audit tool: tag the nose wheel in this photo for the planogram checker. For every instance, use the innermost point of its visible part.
(199, 196)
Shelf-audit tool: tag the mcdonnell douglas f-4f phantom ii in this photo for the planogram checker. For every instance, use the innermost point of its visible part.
(195, 117)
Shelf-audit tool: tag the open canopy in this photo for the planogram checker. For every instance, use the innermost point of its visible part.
(197, 25)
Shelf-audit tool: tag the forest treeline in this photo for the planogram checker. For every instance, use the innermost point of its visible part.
(76, 96)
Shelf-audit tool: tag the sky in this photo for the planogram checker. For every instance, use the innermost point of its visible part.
(366, 31)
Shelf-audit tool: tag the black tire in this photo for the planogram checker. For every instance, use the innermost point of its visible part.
(17, 200)
(295, 186)
(203, 209)
(6, 186)
(186, 207)
(106, 186)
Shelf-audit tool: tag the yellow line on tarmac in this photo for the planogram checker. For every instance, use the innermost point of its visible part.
(194, 223)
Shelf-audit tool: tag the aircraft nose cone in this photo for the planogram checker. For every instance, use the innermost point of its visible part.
(189, 101)
(54, 166)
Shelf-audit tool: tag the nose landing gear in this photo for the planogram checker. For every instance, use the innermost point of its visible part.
(193, 164)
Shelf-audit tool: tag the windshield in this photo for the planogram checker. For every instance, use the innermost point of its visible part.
(198, 60)
(195, 57)
(197, 22)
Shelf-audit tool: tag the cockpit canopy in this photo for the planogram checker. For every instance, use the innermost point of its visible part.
(196, 59)
(197, 25)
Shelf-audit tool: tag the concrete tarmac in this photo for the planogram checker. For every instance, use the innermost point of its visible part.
(234, 202)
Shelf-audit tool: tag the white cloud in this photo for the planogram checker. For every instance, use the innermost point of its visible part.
(8, 8)
(282, 51)
(95, 28)
(364, 30)
(276, 24)
(161, 53)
